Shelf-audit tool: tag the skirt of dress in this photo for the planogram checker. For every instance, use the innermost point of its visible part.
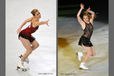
(30, 38)
(85, 41)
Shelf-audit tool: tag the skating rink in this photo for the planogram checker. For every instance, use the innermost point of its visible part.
(43, 59)
(69, 32)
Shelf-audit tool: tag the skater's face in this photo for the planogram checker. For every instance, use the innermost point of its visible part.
(37, 14)
(86, 18)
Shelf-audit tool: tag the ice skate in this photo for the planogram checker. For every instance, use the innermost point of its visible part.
(80, 54)
(82, 66)
(21, 66)
(26, 60)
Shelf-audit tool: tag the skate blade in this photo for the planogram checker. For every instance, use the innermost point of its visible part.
(78, 57)
(22, 69)
(27, 62)
(82, 69)
(25, 59)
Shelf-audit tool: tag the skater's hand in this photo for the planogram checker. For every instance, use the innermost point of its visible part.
(82, 6)
(18, 30)
(47, 22)
(88, 9)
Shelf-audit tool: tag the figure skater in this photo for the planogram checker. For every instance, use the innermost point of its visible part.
(27, 39)
(84, 42)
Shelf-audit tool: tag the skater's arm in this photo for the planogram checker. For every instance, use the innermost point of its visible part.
(92, 15)
(43, 22)
(79, 18)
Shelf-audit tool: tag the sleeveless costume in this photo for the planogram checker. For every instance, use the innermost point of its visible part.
(26, 33)
(85, 38)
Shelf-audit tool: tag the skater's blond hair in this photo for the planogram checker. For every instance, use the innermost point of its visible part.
(34, 11)
(88, 14)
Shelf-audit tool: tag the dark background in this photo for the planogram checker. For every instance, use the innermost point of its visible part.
(69, 8)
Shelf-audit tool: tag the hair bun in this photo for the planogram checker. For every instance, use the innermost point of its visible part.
(34, 11)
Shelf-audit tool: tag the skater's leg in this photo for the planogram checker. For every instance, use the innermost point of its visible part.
(85, 52)
(88, 53)
(81, 54)
(35, 45)
(92, 51)
(26, 43)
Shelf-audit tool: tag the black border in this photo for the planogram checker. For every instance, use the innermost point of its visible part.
(56, 38)
(111, 37)
(2, 37)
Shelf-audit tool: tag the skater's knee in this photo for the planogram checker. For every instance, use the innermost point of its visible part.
(37, 45)
(93, 54)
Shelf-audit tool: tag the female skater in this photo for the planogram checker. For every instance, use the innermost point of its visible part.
(26, 38)
(87, 26)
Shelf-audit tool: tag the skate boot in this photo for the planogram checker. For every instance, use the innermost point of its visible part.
(21, 66)
(80, 54)
(82, 66)
(26, 60)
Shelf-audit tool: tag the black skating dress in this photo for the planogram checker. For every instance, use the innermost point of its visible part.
(85, 38)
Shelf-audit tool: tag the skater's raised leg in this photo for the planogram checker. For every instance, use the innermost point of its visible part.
(80, 55)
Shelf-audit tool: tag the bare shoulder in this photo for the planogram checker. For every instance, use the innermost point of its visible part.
(91, 22)
(83, 25)
(29, 19)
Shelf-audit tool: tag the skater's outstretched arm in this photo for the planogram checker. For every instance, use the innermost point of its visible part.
(42, 22)
(79, 18)
(92, 15)
(27, 20)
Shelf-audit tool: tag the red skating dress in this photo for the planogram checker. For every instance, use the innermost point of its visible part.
(26, 33)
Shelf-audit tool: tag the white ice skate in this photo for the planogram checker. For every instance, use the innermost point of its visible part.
(83, 67)
(21, 66)
(80, 54)
(26, 60)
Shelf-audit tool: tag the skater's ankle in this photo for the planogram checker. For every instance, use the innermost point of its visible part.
(22, 61)
(82, 62)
